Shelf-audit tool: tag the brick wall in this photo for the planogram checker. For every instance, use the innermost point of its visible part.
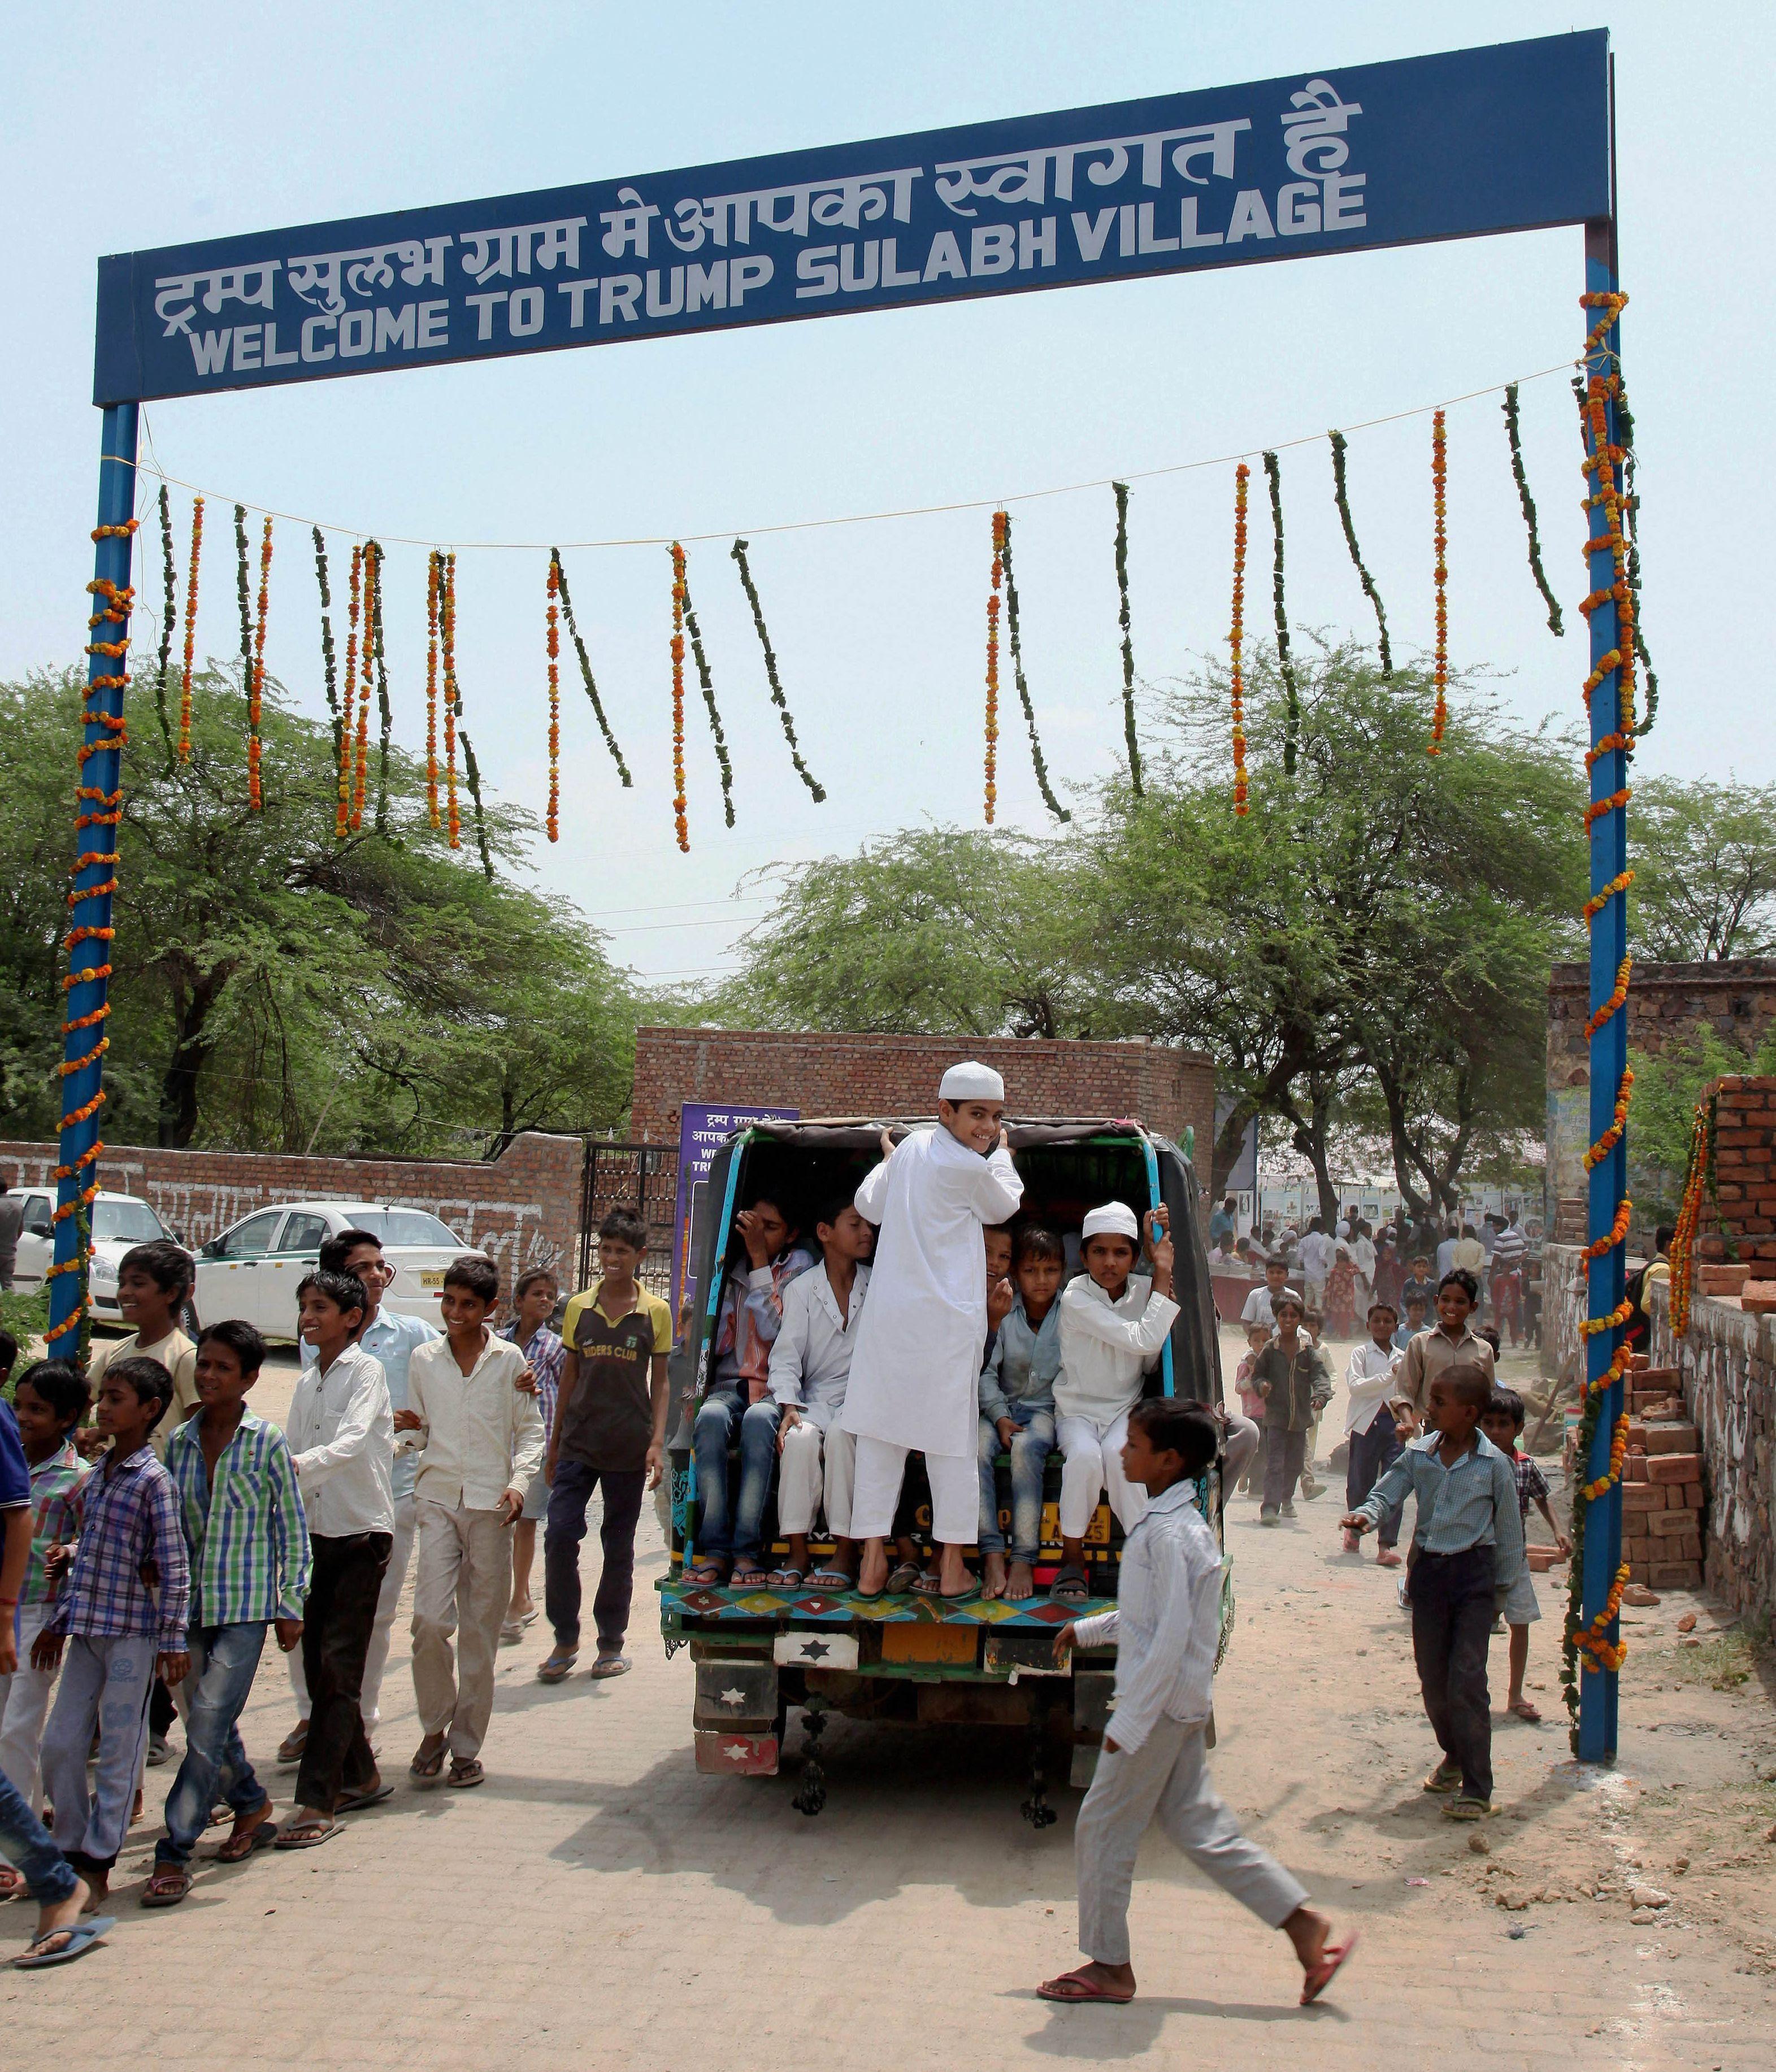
(522, 1210)
(1744, 1176)
(1169, 1090)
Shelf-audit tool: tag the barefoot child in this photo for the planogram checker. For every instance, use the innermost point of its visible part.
(1017, 1413)
(1469, 1547)
(1503, 1424)
(247, 1540)
(914, 1380)
(1166, 1625)
(120, 1614)
(1114, 1323)
(480, 1441)
(534, 1296)
(810, 1368)
(1251, 1403)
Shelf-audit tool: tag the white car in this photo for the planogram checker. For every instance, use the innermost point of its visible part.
(251, 1270)
(119, 1222)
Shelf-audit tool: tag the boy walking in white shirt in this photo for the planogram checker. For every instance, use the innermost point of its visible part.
(1373, 1440)
(481, 1441)
(1114, 1323)
(1166, 1626)
(810, 1366)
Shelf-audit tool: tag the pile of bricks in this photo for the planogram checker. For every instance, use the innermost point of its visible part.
(1744, 1177)
(1662, 1483)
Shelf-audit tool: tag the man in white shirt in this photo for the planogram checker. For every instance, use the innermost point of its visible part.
(480, 1440)
(810, 1366)
(341, 1435)
(391, 1341)
(1317, 1250)
(1371, 1439)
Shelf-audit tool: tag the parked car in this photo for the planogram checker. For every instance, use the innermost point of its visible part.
(119, 1221)
(251, 1269)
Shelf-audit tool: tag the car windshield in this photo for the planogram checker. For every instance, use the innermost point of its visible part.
(407, 1226)
(125, 1221)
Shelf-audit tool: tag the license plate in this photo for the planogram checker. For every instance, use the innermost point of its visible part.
(433, 1279)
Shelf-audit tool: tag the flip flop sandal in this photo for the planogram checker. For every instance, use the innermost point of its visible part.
(237, 1848)
(902, 1577)
(748, 1579)
(927, 1586)
(830, 1579)
(1069, 1586)
(429, 1768)
(784, 1579)
(558, 1668)
(290, 1748)
(465, 1775)
(167, 1886)
(1332, 1960)
(1079, 1992)
(1524, 1710)
(958, 1597)
(355, 1802)
(80, 1939)
(309, 1834)
(1468, 1809)
(610, 1665)
(1445, 1778)
(710, 1575)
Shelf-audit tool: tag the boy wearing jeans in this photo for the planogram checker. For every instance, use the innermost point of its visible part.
(1018, 1413)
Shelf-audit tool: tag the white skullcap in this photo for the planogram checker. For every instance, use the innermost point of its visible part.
(1114, 1219)
(970, 1081)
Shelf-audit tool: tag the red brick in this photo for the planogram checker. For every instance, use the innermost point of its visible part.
(1634, 1471)
(1641, 1497)
(1674, 1467)
(1675, 1575)
(1693, 1498)
(1670, 1439)
(1667, 1524)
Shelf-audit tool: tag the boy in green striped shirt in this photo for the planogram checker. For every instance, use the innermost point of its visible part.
(249, 1553)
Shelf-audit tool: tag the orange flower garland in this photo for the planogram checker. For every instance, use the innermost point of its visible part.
(191, 633)
(1242, 475)
(447, 627)
(999, 524)
(1689, 1215)
(555, 680)
(342, 823)
(678, 697)
(1615, 1002)
(255, 687)
(1612, 1137)
(1439, 486)
(372, 593)
(431, 684)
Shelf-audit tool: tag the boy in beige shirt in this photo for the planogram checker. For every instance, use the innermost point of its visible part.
(154, 1284)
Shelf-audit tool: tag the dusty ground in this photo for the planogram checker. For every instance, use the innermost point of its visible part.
(599, 1901)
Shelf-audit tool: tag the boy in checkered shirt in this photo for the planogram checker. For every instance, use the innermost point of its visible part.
(1503, 1424)
(121, 1615)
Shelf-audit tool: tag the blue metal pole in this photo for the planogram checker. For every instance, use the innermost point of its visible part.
(1608, 1057)
(100, 792)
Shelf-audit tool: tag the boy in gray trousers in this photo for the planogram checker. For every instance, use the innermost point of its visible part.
(1167, 1627)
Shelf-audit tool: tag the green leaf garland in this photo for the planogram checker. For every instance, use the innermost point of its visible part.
(1555, 625)
(169, 613)
(385, 713)
(1042, 783)
(244, 590)
(1273, 474)
(586, 669)
(739, 553)
(707, 682)
(327, 659)
(1121, 488)
(1341, 496)
(472, 771)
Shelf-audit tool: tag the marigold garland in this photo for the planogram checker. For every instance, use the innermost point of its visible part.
(737, 553)
(1439, 505)
(191, 633)
(1617, 1233)
(1613, 1136)
(1012, 636)
(586, 669)
(554, 646)
(256, 689)
(1601, 898)
(1242, 475)
(1689, 1215)
(999, 523)
(432, 584)
(1616, 1000)
(373, 583)
(1292, 725)
(707, 682)
(342, 825)
(1556, 624)
(168, 614)
(1341, 497)
(1121, 488)
(678, 697)
(453, 705)
(328, 659)
(385, 720)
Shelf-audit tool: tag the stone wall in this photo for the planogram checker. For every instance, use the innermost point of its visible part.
(1667, 1003)
(1171, 1090)
(522, 1209)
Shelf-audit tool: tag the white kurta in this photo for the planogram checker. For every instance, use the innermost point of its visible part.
(916, 1365)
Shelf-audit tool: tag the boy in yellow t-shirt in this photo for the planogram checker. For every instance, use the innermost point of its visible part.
(153, 1283)
(609, 1428)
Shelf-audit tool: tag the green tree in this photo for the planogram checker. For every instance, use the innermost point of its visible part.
(1704, 862)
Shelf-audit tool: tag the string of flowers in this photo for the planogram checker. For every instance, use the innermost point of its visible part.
(1556, 625)
(1341, 496)
(169, 613)
(372, 555)
(1121, 488)
(327, 657)
(342, 825)
(432, 587)
(1689, 1216)
(678, 698)
(999, 524)
(1273, 474)
(472, 771)
(554, 646)
(1613, 1136)
(243, 583)
(1242, 475)
(385, 714)
(1036, 757)
(707, 681)
(453, 705)
(256, 689)
(738, 554)
(190, 634)
(585, 669)
(1438, 485)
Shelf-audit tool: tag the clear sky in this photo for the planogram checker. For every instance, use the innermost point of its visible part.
(154, 126)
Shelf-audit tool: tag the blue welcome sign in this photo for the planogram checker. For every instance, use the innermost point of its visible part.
(1514, 137)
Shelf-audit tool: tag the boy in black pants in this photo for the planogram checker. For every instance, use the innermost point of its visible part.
(1468, 1551)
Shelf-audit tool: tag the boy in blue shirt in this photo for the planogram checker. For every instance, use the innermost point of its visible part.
(1017, 1413)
